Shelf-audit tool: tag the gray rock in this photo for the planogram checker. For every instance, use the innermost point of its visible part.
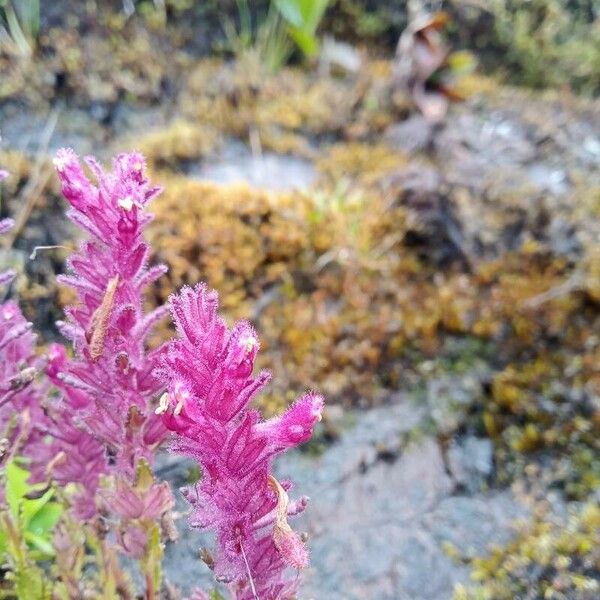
(181, 564)
(339, 56)
(449, 398)
(377, 528)
(268, 171)
(413, 135)
(472, 525)
(470, 460)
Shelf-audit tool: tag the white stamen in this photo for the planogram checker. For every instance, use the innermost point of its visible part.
(179, 405)
(59, 163)
(126, 203)
(248, 343)
(163, 404)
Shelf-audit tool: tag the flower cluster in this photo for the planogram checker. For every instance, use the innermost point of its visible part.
(108, 385)
(19, 396)
(208, 373)
(103, 430)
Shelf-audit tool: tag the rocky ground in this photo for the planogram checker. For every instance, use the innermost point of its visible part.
(404, 494)
(397, 510)
(393, 514)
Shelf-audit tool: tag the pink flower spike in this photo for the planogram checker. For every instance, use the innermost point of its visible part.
(22, 417)
(208, 373)
(109, 391)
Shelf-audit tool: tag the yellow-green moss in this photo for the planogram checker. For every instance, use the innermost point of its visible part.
(552, 558)
(179, 141)
(359, 162)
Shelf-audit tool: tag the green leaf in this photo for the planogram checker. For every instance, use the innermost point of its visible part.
(306, 41)
(302, 18)
(28, 12)
(32, 518)
(312, 13)
(16, 487)
(40, 543)
(290, 10)
(302, 14)
(30, 507)
(2, 540)
(45, 519)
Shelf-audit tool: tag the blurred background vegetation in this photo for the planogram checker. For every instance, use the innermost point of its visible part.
(379, 249)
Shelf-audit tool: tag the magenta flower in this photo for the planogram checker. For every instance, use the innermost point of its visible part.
(103, 431)
(20, 394)
(109, 383)
(208, 375)
(18, 365)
